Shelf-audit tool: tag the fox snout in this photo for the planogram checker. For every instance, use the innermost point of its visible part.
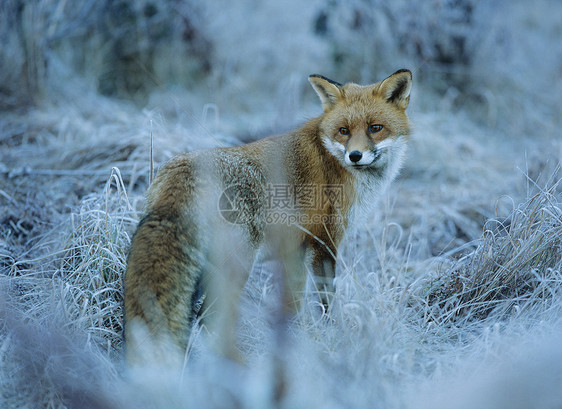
(357, 158)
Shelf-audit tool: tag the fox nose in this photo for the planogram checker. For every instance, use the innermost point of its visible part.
(355, 156)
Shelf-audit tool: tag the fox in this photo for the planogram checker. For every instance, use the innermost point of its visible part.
(209, 213)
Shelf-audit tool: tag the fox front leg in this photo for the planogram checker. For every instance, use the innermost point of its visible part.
(324, 270)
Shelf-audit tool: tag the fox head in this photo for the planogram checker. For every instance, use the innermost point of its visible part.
(365, 127)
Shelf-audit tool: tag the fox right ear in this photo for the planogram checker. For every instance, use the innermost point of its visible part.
(396, 88)
(329, 91)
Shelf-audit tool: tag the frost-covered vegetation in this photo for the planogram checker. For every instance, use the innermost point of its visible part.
(449, 296)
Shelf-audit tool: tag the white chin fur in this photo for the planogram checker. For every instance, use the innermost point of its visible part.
(370, 186)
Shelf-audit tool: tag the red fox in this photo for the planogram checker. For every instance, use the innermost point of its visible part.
(293, 195)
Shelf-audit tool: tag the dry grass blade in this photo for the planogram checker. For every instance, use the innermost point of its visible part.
(515, 265)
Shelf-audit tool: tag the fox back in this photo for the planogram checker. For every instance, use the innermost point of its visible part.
(293, 196)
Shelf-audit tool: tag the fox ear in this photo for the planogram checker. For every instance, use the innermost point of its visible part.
(396, 88)
(329, 91)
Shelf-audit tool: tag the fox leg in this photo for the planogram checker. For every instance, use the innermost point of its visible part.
(324, 269)
(222, 286)
(293, 279)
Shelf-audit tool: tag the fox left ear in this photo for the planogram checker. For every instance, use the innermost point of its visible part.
(396, 88)
(329, 91)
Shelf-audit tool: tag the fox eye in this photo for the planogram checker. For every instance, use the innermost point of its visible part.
(344, 131)
(375, 128)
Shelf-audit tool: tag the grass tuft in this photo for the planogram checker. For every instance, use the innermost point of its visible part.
(90, 270)
(517, 265)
